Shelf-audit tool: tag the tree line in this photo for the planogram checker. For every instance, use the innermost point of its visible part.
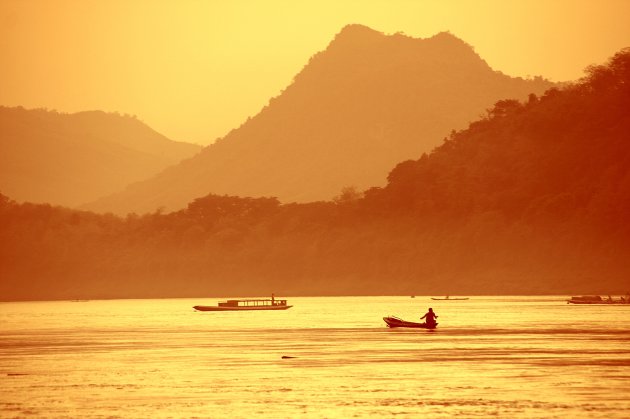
(532, 198)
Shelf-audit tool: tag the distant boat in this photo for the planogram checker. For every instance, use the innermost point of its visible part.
(393, 321)
(596, 299)
(245, 305)
(450, 299)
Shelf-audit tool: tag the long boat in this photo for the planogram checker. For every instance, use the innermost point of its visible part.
(596, 299)
(246, 305)
(393, 321)
(447, 298)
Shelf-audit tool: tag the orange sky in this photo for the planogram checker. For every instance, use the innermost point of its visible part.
(195, 69)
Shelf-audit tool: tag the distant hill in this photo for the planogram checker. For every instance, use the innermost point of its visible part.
(358, 108)
(532, 198)
(69, 159)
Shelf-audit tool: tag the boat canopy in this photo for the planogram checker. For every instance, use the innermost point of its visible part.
(253, 303)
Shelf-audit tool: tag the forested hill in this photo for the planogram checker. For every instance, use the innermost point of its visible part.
(365, 103)
(563, 155)
(532, 199)
(69, 159)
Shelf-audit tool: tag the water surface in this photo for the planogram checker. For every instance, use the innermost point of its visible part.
(507, 356)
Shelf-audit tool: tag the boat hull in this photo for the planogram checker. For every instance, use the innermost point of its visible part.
(244, 308)
(449, 299)
(396, 322)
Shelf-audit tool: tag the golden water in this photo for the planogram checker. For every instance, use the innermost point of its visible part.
(507, 356)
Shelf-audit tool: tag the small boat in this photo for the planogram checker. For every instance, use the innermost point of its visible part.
(396, 322)
(246, 305)
(596, 299)
(447, 298)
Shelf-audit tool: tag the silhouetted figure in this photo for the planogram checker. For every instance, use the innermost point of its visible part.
(273, 299)
(430, 316)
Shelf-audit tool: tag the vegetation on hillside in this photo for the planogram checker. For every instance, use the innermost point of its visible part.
(532, 198)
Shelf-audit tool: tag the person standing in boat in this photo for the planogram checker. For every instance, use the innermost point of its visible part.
(430, 316)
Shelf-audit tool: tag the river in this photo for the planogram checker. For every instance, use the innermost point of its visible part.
(511, 356)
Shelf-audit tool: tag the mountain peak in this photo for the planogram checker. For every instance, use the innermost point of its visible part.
(448, 39)
(354, 29)
(446, 35)
(358, 48)
(367, 102)
(359, 39)
(356, 34)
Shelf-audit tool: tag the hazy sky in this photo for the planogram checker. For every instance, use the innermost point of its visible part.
(193, 70)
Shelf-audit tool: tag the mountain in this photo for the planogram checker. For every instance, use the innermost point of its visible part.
(358, 108)
(69, 159)
(532, 198)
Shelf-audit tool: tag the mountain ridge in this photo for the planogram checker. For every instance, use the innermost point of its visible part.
(67, 159)
(356, 109)
(530, 199)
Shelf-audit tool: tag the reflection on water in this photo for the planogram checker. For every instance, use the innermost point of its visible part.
(516, 356)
